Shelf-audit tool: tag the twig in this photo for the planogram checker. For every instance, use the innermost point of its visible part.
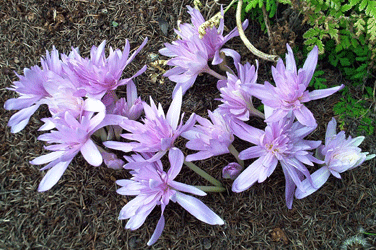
(266, 21)
(247, 43)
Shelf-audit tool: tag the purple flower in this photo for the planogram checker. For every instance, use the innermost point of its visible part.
(231, 171)
(236, 93)
(99, 74)
(110, 159)
(282, 142)
(131, 108)
(340, 154)
(31, 90)
(191, 54)
(291, 89)
(153, 186)
(70, 137)
(209, 138)
(157, 132)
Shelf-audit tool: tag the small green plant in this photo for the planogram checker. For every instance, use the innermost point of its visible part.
(258, 9)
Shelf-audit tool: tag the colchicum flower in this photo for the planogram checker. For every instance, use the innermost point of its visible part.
(209, 138)
(282, 142)
(291, 89)
(153, 186)
(190, 54)
(157, 132)
(236, 93)
(39, 86)
(99, 74)
(71, 137)
(340, 154)
(131, 108)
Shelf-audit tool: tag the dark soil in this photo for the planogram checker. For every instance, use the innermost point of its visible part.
(80, 212)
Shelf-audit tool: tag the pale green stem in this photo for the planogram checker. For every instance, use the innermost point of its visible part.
(229, 6)
(215, 74)
(211, 189)
(203, 174)
(235, 153)
(101, 133)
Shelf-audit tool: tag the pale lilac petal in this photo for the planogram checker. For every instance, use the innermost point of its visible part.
(158, 231)
(91, 153)
(305, 116)
(47, 158)
(53, 176)
(137, 220)
(176, 158)
(246, 132)
(186, 188)
(248, 177)
(94, 105)
(201, 155)
(321, 93)
(252, 152)
(277, 115)
(121, 146)
(20, 103)
(319, 177)
(331, 130)
(198, 209)
(173, 112)
(19, 120)
(310, 65)
(289, 189)
(356, 141)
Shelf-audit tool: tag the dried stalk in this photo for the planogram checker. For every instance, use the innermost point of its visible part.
(247, 43)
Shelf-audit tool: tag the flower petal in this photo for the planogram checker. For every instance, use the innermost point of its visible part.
(198, 209)
(53, 176)
(319, 178)
(158, 231)
(91, 153)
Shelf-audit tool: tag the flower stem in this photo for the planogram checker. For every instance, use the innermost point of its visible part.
(229, 6)
(211, 189)
(363, 232)
(235, 153)
(215, 74)
(203, 174)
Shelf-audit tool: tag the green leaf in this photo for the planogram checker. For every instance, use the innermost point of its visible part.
(346, 7)
(362, 5)
(344, 61)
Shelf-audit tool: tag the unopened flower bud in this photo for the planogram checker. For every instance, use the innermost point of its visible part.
(231, 171)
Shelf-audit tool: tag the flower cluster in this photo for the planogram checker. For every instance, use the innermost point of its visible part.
(81, 96)
(78, 94)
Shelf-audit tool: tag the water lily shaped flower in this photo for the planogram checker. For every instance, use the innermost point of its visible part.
(290, 92)
(340, 154)
(157, 132)
(236, 93)
(281, 142)
(190, 54)
(153, 186)
(99, 74)
(209, 138)
(71, 137)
